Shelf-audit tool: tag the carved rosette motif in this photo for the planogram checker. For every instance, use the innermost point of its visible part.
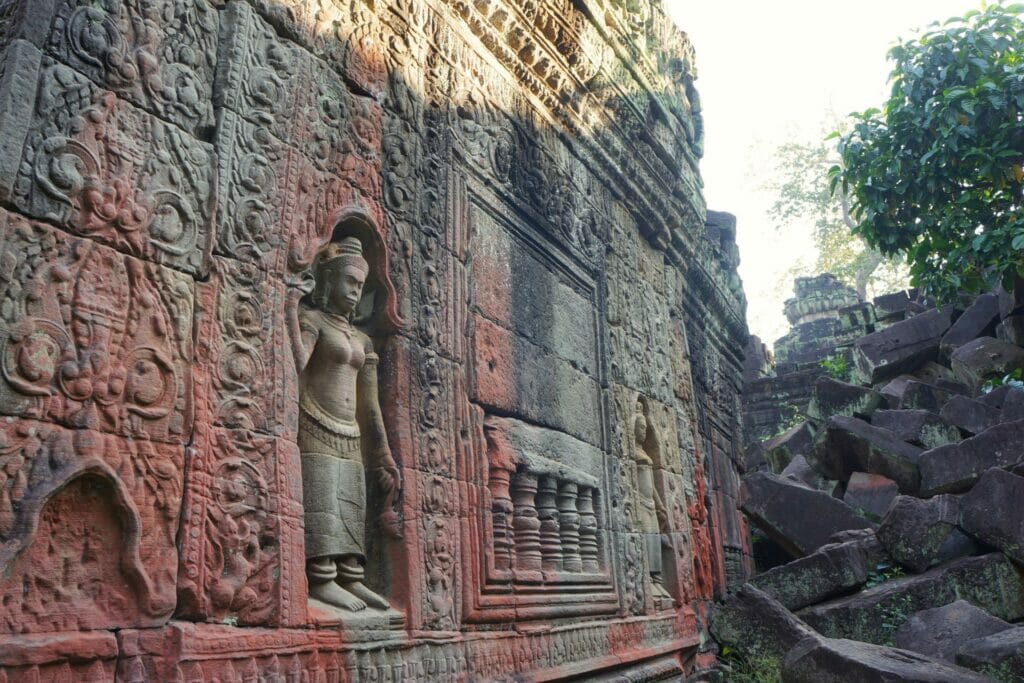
(297, 147)
(242, 557)
(107, 170)
(159, 55)
(91, 338)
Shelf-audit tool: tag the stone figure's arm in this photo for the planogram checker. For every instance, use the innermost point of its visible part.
(661, 512)
(309, 332)
(371, 425)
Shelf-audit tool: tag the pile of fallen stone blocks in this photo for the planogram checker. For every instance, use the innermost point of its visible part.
(900, 503)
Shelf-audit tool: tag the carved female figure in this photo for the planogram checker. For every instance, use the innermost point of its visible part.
(341, 430)
(650, 511)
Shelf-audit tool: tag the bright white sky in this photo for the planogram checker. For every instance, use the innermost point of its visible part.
(768, 72)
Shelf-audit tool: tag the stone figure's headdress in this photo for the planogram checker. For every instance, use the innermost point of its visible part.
(345, 252)
(355, 240)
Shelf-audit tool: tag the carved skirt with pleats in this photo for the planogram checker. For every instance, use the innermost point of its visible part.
(333, 484)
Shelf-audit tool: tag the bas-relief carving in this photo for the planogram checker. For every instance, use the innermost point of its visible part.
(160, 55)
(296, 146)
(651, 515)
(91, 338)
(96, 341)
(282, 179)
(341, 437)
(109, 171)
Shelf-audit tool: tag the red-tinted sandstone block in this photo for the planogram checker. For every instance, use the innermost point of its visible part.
(275, 208)
(159, 55)
(242, 546)
(91, 520)
(244, 341)
(92, 338)
(104, 169)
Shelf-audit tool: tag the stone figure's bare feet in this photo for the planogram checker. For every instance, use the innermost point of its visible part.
(358, 589)
(333, 594)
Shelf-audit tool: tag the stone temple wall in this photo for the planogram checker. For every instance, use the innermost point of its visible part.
(557, 317)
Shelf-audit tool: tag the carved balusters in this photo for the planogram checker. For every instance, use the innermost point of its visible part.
(569, 523)
(543, 522)
(525, 521)
(548, 512)
(501, 518)
(588, 530)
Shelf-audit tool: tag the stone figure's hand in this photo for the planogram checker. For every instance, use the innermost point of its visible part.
(389, 479)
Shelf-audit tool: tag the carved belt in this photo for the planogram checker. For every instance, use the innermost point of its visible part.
(326, 420)
(340, 438)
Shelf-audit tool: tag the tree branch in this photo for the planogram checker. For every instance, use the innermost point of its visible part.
(844, 202)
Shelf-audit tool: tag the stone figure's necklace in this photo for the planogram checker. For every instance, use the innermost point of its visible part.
(339, 322)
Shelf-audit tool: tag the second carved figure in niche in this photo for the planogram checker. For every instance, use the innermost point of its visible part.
(651, 517)
(341, 431)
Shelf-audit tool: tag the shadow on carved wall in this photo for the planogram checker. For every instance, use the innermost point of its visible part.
(524, 180)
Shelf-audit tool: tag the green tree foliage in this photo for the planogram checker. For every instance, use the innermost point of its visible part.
(799, 182)
(936, 174)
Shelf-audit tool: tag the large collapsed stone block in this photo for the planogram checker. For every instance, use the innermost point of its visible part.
(956, 467)
(831, 570)
(816, 660)
(870, 494)
(919, 427)
(978, 320)
(893, 390)
(891, 307)
(903, 346)
(1013, 405)
(781, 450)
(1011, 301)
(990, 582)
(999, 395)
(846, 445)
(985, 358)
(756, 624)
(770, 502)
(971, 416)
(925, 396)
(921, 533)
(832, 397)
(1000, 654)
(1011, 329)
(800, 471)
(992, 512)
(939, 632)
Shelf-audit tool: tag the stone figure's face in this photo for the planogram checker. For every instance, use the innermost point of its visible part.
(639, 425)
(345, 288)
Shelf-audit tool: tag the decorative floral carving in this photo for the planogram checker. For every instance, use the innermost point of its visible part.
(158, 54)
(92, 338)
(110, 172)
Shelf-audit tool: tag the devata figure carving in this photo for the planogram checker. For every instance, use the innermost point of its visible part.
(651, 517)
(341, 431)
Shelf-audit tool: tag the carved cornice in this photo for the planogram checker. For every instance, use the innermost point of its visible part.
(631, 109)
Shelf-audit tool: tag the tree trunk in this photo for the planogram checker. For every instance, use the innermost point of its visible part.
(872, 259)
